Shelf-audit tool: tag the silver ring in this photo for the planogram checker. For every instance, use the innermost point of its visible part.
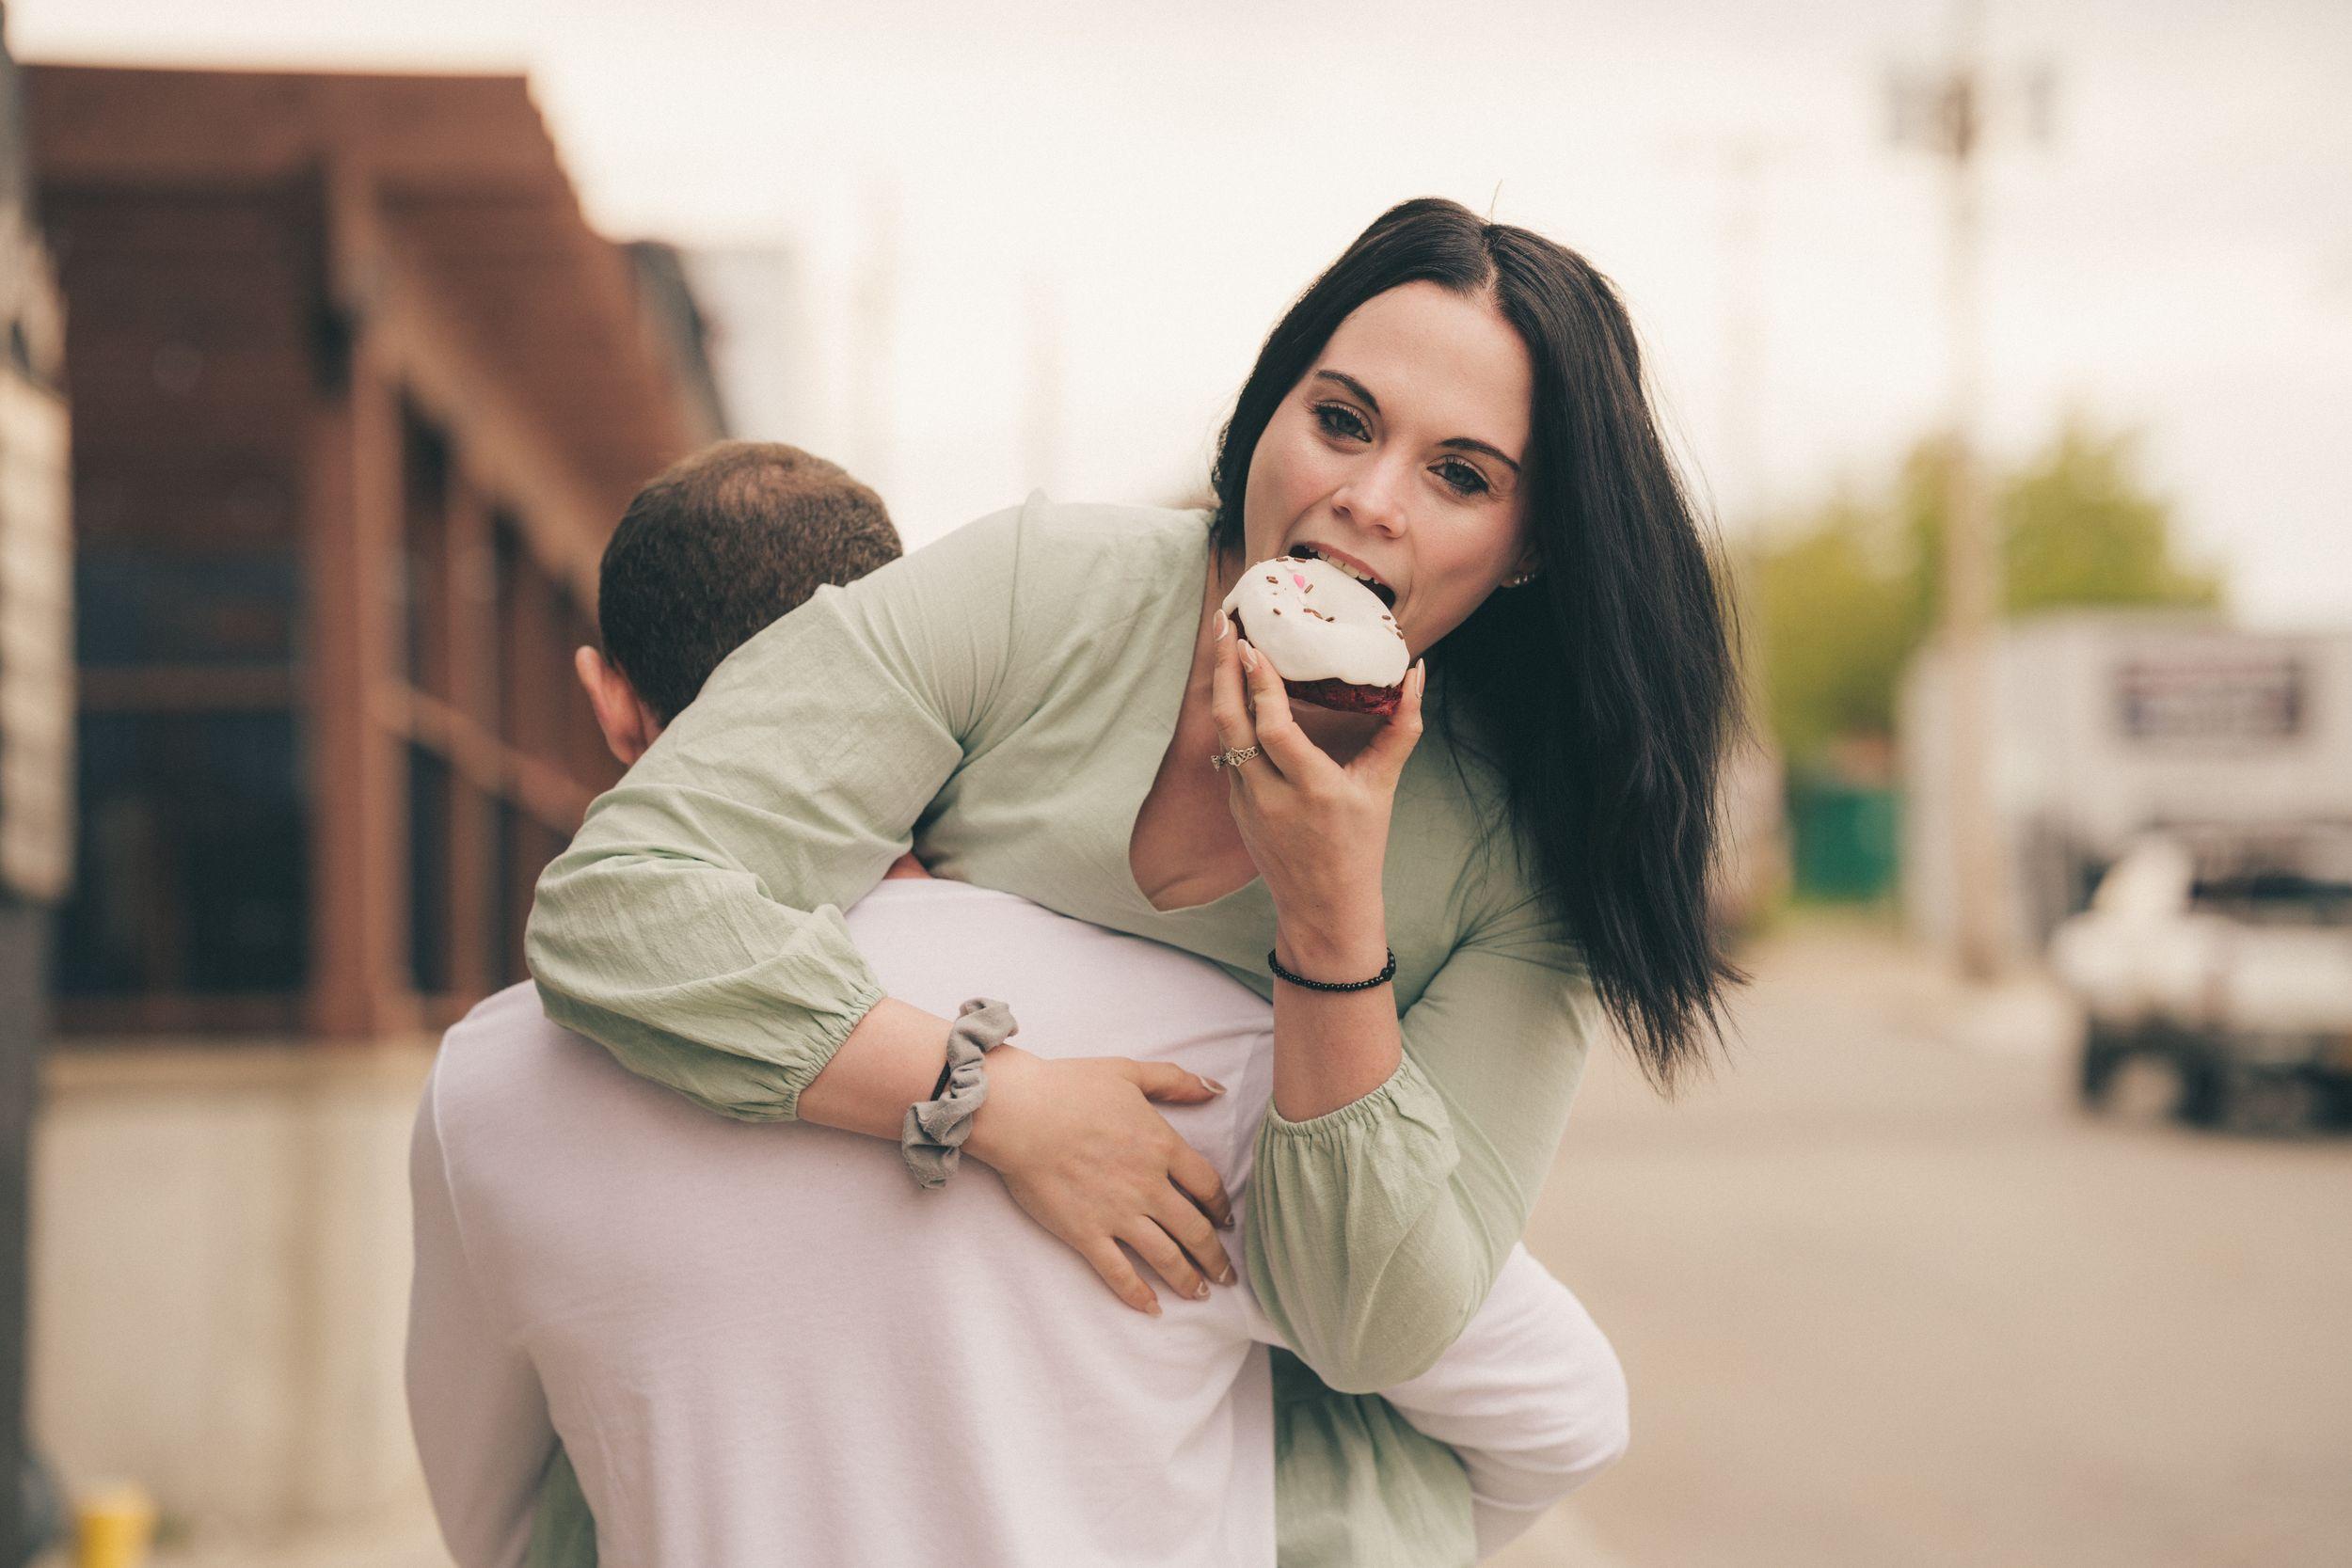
(1233, 758)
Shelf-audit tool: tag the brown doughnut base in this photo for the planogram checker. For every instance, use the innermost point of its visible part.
(1380, 701)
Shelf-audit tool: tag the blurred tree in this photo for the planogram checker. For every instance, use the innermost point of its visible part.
(1851, 589)
(2079, 528)
(1839, 619)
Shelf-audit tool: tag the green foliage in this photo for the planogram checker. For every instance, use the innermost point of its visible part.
(1850, 590)
(2078, 529)
(1835, 619)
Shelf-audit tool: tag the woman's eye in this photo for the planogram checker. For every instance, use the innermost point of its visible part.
(1463, 479)
(1338, 419)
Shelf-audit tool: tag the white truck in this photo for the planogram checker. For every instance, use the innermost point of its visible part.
(2110, 723)
(2221, 963)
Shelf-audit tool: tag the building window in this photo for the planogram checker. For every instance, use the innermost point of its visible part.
(147, 605)
(430, 889)
(193, 858)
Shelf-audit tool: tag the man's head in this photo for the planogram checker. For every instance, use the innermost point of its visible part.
(716, 547)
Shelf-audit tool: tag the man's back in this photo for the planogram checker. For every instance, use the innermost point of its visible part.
(830, 1365)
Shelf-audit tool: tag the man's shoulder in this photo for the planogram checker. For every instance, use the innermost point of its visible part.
(505, 1050)
(501, 1018)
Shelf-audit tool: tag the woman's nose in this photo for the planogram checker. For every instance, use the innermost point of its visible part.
(1376, 499)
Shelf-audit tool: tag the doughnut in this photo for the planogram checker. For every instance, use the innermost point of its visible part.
(1329, 636)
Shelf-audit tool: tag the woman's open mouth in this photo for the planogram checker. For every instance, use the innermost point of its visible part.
(1353, 567)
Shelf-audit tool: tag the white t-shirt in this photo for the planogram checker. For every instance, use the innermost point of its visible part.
(765, 1345)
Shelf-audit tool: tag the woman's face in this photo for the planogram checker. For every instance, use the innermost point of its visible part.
(1398, 454)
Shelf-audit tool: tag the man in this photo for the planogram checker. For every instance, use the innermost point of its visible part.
(762, 1346)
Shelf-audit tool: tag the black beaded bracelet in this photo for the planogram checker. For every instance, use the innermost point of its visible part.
(1387, 972)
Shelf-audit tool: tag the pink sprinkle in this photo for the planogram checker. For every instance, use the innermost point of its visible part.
(1296, 578)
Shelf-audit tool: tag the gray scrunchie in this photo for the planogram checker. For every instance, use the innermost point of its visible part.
(932, 1137)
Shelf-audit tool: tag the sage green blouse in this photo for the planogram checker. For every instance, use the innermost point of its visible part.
(1002, 699)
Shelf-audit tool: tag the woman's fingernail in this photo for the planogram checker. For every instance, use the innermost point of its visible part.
(1212, 1086)
(1249, 659)
(1226, 1224)
(1227, 1277)
(1224, 625)
(1153, 1306)
(1201, 1292)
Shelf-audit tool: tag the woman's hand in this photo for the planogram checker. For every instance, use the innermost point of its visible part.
(1080, 1147)
(1317, 831)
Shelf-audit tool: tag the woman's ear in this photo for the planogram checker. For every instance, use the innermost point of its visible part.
(628, 725)
(1526, 565)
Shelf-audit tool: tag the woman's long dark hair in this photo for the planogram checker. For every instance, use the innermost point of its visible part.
(1604, 693)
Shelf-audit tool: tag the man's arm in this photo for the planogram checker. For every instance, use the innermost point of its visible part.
(474, 1400)
(1531, 1398)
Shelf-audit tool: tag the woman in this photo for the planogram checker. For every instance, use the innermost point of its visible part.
(1454, 408)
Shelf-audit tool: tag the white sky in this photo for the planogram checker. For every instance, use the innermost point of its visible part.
(1101, 207)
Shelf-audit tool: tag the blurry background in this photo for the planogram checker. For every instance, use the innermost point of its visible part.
(2011, 347)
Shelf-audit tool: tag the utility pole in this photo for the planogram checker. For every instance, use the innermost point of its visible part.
(1949, 113)
(1744, 161)
(1752, 792)
(1742, 506)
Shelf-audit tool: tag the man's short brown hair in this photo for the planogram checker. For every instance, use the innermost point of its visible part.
(720, 544)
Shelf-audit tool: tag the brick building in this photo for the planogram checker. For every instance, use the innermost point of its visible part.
(358, 395)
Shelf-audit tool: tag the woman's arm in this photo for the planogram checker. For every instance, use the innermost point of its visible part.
(695, 929)
(693, 926)
(1377, 1229)
(1400, 1160)
(1318, 832)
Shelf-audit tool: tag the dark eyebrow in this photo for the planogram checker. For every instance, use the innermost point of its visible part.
(1463, 443)
(1352, 385)
(1459, 443)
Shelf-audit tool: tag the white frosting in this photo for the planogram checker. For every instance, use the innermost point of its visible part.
(1318, 624)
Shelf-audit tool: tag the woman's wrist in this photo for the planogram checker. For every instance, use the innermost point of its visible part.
(1008, 1069)
(1334, 952)
(934, 1130)
(889, 1061)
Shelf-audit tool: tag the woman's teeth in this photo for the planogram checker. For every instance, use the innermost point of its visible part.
(1386, 594)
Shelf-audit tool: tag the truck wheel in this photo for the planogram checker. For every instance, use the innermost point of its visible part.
(2100, 1056)
(2270, 1103)
(2097, 1067)
(2205, 1098)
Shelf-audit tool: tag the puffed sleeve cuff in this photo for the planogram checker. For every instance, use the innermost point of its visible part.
(831, 1029)
(743, 1043)
(1358, 1248)
(750, 1087)
(1407, 1093)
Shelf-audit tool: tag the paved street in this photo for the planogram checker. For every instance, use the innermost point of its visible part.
(1886, 1299)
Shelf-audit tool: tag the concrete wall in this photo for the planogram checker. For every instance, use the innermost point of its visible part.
(221, 1270)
